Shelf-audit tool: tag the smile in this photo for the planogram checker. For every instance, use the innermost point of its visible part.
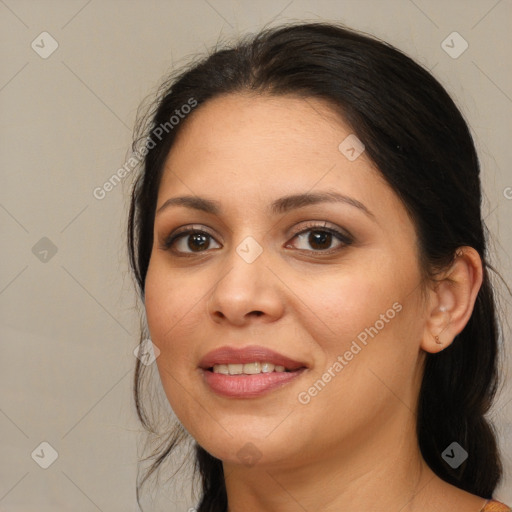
(248, 368)
(248, 372)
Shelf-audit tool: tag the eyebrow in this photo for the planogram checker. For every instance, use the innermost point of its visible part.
(279, 206)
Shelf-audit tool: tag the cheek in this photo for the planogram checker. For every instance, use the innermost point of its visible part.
(170, 303)
(161, 309)
(369, 318)
(168, 315)
(175, 304)
(343, 304)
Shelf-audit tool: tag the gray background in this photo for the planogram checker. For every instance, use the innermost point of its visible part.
(69, 321)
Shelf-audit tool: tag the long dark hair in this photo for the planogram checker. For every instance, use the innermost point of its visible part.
(418, 139)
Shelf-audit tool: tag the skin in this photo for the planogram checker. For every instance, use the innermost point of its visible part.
(353, 446)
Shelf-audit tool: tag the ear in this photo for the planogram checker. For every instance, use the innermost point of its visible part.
(451, 300)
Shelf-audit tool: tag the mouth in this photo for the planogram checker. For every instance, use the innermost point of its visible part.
(253, 368)
(248, 360)
(248, 372)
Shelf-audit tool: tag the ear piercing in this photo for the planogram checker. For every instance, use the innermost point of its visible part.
(444, 310)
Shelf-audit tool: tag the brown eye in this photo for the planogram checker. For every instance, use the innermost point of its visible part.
(317, 238)
(320, 239)
(189, 241)
(199, 241)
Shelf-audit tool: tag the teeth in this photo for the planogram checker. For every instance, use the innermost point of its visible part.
(221, 368)
(267, 367)
(247, 368)
(235, 369)
(252, 368)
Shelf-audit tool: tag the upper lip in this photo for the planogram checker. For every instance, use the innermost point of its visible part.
(250, 354)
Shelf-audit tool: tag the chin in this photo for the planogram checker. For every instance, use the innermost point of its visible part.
(250, 451)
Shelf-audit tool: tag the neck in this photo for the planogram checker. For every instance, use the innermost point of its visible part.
(384, 472)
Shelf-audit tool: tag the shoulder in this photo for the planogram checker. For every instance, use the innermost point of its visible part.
(496, 506)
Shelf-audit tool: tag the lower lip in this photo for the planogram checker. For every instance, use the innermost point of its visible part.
(248, 386)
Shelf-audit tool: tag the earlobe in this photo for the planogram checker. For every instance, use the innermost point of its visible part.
(452, 300)
(437, 328)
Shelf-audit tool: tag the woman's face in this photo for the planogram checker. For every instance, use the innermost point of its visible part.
(273, 274)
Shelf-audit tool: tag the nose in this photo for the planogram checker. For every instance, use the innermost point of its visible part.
(248, 289)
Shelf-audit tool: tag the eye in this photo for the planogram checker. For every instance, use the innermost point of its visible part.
(195, 240)
(320, 238)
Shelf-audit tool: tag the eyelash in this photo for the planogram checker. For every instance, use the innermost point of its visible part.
(342, 237)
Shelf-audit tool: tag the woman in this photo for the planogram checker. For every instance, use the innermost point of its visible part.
(307, 239)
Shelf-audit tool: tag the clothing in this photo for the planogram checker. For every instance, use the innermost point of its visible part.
(495, 506)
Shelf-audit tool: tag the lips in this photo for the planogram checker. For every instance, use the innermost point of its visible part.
(251, 354)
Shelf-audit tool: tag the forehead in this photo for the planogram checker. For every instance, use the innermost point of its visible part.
(262, 122)
(246, 149)
(262, 136)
